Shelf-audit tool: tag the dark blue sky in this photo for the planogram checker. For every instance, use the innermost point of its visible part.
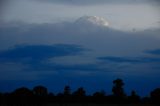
(86, 43)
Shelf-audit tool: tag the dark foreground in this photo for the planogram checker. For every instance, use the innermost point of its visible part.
(80, 104)
(39, 96)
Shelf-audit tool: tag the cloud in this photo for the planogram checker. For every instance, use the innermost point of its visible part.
(31, 62)
(2, 4)
(39, 52)
(98, 38)
(153, 52)
(91, 2)
(92, 21)
(120, 49)
(62, 68)
(64, 32)
(102, 40)
(136, 60)
(119, 59)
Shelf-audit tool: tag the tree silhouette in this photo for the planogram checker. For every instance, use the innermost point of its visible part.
(99, 94)
(22, 92)
(134, 98)
(51, 94)
(118, 88)
(80, 92)
(59, 94)
(155, 95)
(67, 91)
(39, 95)
(21, 95)
(40, 91)
(0, 94)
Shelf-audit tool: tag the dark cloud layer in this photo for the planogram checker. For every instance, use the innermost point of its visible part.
(62, 68)
(38, 56)
(39, 52)
(119, 59)
(130, 59)
(153, 52)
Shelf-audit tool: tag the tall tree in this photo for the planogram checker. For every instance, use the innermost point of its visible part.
(117, 89)
(67, 91)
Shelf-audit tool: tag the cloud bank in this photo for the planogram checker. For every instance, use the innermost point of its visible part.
(47, 53)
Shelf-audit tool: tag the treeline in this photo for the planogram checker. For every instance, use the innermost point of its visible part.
(40, 95)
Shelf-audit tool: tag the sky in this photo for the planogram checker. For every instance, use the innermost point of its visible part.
(86, 43)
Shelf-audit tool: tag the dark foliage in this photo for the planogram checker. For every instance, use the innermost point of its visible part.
(118, 88)
(67, 91)
(155, 96)
(40, 91)
(80, 92)
(134, 98)
(39, 95)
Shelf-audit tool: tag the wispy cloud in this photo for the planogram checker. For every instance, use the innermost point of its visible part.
(119, 59)
(116, 59)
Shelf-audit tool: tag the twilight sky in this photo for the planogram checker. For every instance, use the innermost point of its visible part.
(86, 43)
